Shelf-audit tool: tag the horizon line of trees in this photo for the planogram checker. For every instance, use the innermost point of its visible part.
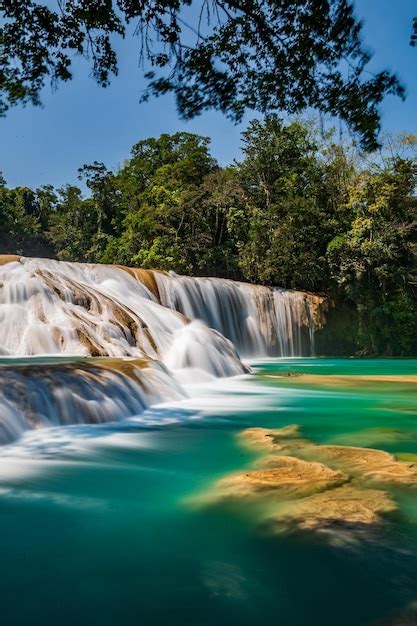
(298, 211)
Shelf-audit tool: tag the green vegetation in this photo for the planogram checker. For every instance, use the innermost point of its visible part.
(299, 211)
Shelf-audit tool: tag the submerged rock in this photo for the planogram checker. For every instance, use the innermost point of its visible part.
(371, 437)
(347, 505)
(302, 485)
(367, 464)
(281, 477)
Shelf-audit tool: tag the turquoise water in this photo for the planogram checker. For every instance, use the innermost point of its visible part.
(96, 525)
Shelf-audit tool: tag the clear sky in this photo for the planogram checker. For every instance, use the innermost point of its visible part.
(81, 122)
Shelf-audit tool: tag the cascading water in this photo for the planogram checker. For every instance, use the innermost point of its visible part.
(186, 329)
(51, 307)
(87, 391)
(258, 320)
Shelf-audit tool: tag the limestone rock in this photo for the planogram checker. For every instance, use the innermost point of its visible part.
(347, 505)
(369, 464)
(366, 464)
(268, 439)
(9, 258)
(280, 476)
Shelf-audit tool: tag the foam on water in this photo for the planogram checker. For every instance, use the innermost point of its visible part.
(40, 450)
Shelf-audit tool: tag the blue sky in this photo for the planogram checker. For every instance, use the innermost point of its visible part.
(81, 122)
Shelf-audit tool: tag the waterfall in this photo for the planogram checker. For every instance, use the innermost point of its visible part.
(150, 332)
(52, 307)
(258, 320)
(40, 394)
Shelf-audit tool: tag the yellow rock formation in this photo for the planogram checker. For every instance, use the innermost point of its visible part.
(307, 486)
(8, 258)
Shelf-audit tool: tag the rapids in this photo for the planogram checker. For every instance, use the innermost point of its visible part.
(110, 524)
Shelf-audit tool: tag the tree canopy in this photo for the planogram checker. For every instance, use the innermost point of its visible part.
(298, 211)
(230, 55)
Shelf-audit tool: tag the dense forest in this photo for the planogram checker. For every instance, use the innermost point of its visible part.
(299, 210)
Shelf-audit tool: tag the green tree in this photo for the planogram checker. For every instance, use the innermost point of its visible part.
(46, 205)
(282, 234)
(371, 263)
(160, 187)
(105, 195)
(20, 221)
(72, 227)
(221, 199)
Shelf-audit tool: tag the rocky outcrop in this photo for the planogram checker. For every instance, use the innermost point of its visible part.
(366, 464)
(297, 484)
(9, 258)
(285, 476)
(346, 506)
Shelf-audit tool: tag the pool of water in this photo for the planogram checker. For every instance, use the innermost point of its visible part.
(96, 525)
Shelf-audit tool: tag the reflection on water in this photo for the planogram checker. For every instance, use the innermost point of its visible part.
(96, 526)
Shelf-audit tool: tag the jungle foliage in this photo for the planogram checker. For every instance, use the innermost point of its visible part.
(299, 211)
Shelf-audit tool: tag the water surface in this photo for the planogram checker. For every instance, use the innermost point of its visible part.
(96, 525)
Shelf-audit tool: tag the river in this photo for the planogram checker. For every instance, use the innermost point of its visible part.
(109, 523)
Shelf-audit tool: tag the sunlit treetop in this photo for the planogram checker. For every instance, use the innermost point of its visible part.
(229, 55)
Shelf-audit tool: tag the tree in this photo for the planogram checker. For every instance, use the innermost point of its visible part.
(372, 261)
(160, 186)
(22, 219)
(229, 55)
(46, 205)
(73, 226)
(221, 200)
(282, 234)
(106, 196)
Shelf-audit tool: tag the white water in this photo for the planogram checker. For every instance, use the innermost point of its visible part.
(258, 320)
(184, 330)
(44, 394)
(50, 307)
